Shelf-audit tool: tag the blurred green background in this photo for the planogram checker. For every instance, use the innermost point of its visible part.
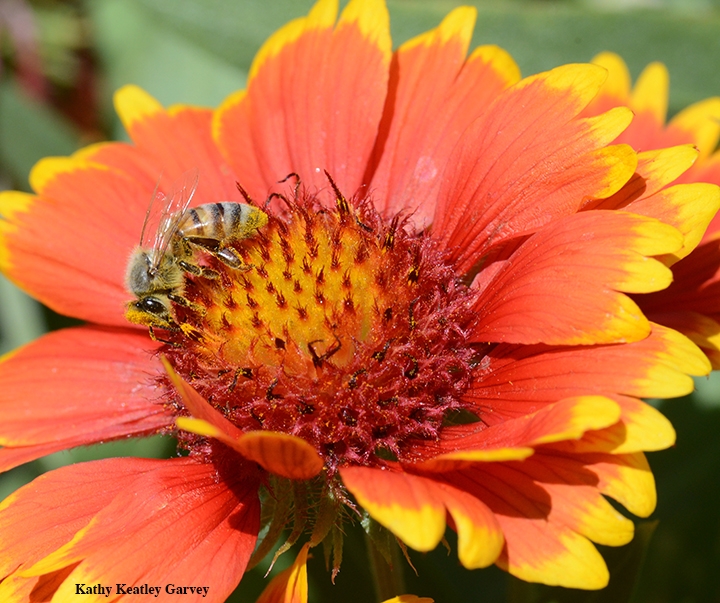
(61, 61)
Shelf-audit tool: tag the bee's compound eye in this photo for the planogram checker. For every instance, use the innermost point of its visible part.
(152, 305)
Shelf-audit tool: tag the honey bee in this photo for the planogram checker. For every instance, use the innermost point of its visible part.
(156, 272)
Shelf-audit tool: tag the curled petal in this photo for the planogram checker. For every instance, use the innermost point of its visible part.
(279, 453)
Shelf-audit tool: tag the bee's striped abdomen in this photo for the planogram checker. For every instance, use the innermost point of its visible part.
(221, 221)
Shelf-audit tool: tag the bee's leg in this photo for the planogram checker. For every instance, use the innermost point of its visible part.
(186, 303)
(198, 270)
(230, 257)
(165, 341)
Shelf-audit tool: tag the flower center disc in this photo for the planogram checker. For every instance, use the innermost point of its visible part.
(345, 330)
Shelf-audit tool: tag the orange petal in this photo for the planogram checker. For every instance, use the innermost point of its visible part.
(651, 91)
(480, 538)
(514, 439)
(694, 291)
(457, 459)
(576, 502)
(291, 585)
(413, 508)
(702, 330)
(89, 385)
(169, 142)
(516, 380)
(50, 243)
(640, 427)
(627, 478)
(52, 506)
(528, 161)
(687, 207)
(616, 89)
(314, 101)
(430, 76)
(539, 546)
(701, 121)
(655, 169)
(198, 407)
(281, 453)
(181, 523)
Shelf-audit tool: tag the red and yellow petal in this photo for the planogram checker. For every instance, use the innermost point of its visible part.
(690, 303)
(655, 170)
(695, 285)
(313, 103)
(616, 89)
(168, 143)
(52, 506)
(431, 76)
(640, 427)
(480, 537)
(64, 247)
(689, 207)
(550, 507)
(700, 122)
(543, 530)
(528, 161)
(697, 124)
(627, 478)
(183, 522)
(515, 381)
(702, 330)
(568, 419)
(564, 284)
(89, 385)
(651, 91)
(414, 507)
(405, 504)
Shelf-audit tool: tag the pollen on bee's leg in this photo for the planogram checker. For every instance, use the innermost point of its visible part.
(346, 330)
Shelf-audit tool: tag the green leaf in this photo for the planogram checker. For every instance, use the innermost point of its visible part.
(21, 318)
(136, 48)
(30, 131)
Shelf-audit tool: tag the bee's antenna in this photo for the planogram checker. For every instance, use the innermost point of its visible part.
(245, 194)
(280, 196)
(297, 182)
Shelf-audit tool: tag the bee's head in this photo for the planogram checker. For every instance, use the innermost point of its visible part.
(150, 310)
(139, 275)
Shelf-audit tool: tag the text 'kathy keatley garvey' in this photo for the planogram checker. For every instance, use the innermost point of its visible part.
(142, 589)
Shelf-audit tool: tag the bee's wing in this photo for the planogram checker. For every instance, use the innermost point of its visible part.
(171, 209)
(152, 211)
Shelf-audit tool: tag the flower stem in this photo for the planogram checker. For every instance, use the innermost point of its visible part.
(386, 567)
